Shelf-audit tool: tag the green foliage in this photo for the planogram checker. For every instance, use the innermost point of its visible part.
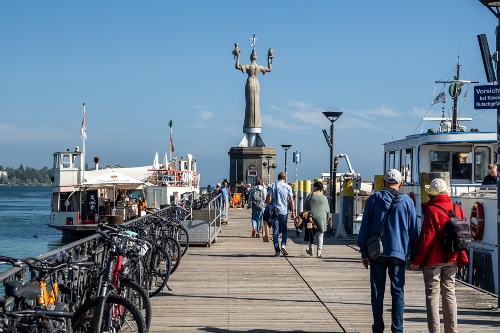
(26, 176)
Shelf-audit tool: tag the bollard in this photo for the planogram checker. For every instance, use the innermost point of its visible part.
(347, 205)
(300, 196)
(378, 183)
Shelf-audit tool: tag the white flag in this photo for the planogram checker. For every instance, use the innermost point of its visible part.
(83, 130)
(440, 98)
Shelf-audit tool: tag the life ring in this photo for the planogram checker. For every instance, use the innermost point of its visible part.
(477, 221)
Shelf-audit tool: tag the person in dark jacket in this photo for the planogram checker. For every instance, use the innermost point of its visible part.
(492, 176)
(399, 239)
(439, 266)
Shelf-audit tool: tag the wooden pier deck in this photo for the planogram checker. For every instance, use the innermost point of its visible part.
(236, 285)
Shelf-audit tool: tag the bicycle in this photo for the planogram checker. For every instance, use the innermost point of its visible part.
(28, 306)
(108, 311)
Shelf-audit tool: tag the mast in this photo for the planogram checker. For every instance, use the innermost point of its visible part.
(456, 91)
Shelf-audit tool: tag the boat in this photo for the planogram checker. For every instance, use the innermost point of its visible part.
(81, 198)
(460, 157)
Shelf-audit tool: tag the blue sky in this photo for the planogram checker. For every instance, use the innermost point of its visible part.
(139, 64)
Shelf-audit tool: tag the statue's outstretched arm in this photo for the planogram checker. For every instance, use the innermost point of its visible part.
(270, 56)
(236, 54)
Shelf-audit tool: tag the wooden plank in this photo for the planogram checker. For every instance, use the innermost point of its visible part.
(236, 285)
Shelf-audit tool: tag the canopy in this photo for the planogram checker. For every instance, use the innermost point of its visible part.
(114, 179)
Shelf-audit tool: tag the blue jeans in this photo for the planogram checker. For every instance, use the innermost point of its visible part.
(396, 269)
(280, 224)
(257, 217)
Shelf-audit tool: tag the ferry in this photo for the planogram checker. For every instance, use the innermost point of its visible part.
(81, 198)
(461, 157)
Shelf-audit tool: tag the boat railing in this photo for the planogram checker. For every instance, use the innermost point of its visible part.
(178, 178)
(473, 190)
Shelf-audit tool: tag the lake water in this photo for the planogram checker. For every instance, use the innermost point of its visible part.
(24, 215)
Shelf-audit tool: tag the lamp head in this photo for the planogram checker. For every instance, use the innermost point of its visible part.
(490, 3)
(332, 115)
(286, 147)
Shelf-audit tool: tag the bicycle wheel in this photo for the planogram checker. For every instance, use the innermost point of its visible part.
(158, 271)
(173, 248)
(133, 292)
(120, 315)
(183, 238)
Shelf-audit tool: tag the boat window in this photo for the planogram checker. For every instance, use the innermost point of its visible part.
(439, 161)
(407, 166)
(481, 160)
(392, 160)
(461, 167)
(66, 161)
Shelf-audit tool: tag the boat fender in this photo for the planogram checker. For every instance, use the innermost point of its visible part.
(477, 221)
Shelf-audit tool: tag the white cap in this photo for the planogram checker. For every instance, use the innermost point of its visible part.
(438, 186)
(392, 176)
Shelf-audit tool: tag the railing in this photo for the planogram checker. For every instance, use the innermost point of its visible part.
(81, 250)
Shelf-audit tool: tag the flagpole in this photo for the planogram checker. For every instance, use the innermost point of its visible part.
(171, 144)
(84, 137)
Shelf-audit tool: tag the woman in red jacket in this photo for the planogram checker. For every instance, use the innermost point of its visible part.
(439, 266)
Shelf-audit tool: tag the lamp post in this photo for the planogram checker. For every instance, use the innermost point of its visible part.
(332, 116)
(494, 7)
(286, 147)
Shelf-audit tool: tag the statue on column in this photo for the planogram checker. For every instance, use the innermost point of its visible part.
(252, 124)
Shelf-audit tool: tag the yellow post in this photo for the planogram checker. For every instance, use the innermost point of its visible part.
(307, 186)
(378, 183)
(348, 190)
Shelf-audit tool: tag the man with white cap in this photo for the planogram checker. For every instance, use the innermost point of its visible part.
(439, 266)
(391, 215)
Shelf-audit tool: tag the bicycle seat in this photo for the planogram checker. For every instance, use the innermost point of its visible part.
(26, 290)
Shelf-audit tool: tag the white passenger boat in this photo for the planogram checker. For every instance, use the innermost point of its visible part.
(462, 156)
(126, 193)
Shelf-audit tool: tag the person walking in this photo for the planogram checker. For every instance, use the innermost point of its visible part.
(399, 234)
(278, 195)
(257, 203)
(317, 204)
(439, 265)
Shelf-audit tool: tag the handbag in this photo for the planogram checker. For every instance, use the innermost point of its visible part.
(374, 244)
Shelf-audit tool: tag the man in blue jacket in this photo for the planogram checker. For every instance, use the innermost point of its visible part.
(399, 239)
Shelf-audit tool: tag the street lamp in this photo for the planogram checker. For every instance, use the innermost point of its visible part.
(494, 7)
(269, 166)
(332, 116)
(286, 147)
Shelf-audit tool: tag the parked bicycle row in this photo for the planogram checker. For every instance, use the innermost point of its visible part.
(102, 284)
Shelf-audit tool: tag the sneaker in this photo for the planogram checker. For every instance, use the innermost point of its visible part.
(319, 255)
(284, 251)
(309, 252)
(253, 233)
(277, 254)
